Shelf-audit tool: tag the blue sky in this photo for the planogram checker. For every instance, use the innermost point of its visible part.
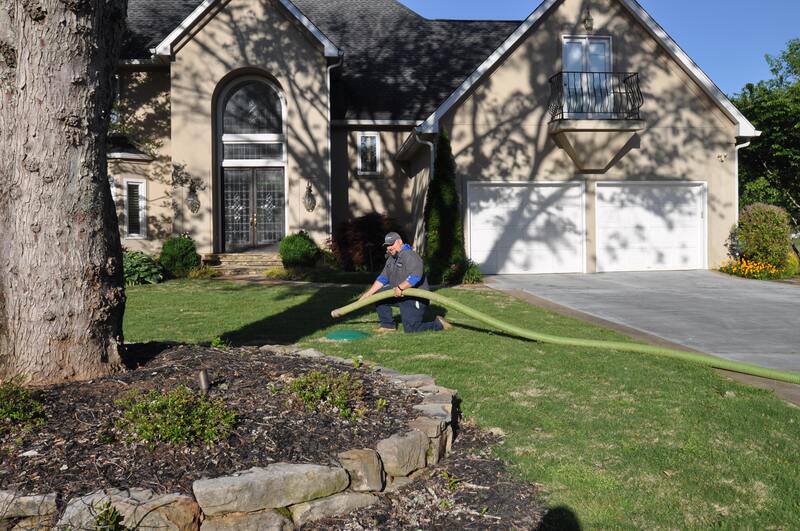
(727, 38)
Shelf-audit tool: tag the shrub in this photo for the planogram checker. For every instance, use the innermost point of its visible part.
(463, 272)
(203, 272)
(18, 408)
(180, 416)
(763, 235)
(141, 268)
(343, 393)
(179, 256)
(444, 231)
(299, 250)
(357, 244)
(792, 265)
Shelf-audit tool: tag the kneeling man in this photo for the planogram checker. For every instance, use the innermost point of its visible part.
(403, 270)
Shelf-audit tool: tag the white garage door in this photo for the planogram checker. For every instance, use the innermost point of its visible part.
(647, 226)
(526, 228)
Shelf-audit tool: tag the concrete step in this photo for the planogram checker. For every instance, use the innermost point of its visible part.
(256, 260)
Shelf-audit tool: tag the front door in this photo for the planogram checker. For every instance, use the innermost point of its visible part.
(587, 78)
(253, 207)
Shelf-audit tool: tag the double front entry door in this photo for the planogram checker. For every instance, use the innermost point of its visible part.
(253, 207)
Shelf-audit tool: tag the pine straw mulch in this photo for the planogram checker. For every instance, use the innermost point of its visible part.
(471, 489)
(80, 449)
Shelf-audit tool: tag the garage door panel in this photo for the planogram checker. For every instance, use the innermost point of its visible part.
(526, 228)
(653, 226)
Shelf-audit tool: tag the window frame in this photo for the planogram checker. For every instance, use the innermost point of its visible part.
(142, 183)
(378, 165)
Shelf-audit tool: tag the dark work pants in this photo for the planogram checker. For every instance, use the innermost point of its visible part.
(412, 311)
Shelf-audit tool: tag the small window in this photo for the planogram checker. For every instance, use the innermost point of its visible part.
(369, 154)
(135, 206)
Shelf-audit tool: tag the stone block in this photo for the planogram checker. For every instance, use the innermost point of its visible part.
(278, 485)
(365, 469)
(445, 399)
(448, 433)
(13, 505)
(310, 353)
(413, 381)
(140, 509)
(268, 520)
(437, 411)
(431, 427)
(331, 506)
(403, 453)
(33, 523)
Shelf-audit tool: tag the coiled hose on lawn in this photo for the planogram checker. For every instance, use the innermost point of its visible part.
(710, 361)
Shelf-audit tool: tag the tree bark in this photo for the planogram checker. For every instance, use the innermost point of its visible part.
(61, 284)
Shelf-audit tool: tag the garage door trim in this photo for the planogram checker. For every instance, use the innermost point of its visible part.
(580, 184)
(703, 203)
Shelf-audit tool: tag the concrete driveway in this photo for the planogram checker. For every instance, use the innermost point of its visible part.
(744, 320)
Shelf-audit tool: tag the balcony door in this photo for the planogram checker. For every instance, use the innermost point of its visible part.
(252, 150)
(587, 79)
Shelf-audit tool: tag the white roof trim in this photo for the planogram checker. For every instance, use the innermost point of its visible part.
(164, 48)
(744, 127)
(376, 123)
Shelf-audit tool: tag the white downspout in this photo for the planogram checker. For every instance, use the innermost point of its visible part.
(432, 148)
(736, 175)
(330, 145)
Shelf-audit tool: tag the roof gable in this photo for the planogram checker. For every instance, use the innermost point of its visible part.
(744, 127)
(164, 48)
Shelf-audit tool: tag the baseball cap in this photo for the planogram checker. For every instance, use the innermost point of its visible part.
(390, 239)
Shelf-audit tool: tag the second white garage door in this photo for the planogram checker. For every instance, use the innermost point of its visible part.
(526, 227)
(645, 226)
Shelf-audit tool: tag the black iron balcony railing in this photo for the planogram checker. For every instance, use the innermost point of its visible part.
(595, 96)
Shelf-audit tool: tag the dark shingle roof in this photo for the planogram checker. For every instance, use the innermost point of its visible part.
(398, 65)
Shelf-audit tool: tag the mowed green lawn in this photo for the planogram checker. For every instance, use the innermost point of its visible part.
(621, 440)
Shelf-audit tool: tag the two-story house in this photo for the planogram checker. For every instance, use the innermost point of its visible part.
(584, 138)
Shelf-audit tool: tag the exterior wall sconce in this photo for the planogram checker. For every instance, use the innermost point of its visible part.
(588, 21)
(192, 201)
(309, 201)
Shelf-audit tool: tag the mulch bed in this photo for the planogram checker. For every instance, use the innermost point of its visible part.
(80, 449)
(471, 489)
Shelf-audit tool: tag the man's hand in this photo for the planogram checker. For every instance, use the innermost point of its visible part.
(398, 292)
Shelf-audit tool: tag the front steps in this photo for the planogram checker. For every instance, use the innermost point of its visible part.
(235, 264)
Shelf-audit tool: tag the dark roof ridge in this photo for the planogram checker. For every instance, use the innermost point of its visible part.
(476, 20)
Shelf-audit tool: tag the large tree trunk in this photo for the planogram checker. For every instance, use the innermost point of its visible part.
(61, 284)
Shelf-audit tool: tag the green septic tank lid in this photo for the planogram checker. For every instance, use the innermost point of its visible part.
(347, 335)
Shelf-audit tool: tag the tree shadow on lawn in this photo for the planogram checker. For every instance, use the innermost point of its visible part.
(308, 317)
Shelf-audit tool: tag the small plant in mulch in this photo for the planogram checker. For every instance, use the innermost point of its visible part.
(109, 519)
(343, 393)
(18, 408)
(180, 416)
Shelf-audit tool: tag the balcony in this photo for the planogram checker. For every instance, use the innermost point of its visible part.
(595, 116)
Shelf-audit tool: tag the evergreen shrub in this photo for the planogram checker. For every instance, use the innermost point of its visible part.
(299, 250)
(179, 256)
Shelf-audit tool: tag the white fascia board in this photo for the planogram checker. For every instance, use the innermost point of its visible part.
(431, 124)
(330, 49)
(376, 123)
(164, 48)
(744, 127)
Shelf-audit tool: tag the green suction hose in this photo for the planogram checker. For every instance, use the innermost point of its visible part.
(710, 361)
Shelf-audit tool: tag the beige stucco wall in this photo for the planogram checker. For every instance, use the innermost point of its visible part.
(499, 132)
(144, 108)
(388, 193)
(252, 36)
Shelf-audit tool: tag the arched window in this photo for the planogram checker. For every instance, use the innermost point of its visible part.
(252, 124)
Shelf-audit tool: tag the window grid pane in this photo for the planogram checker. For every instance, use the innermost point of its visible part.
(252, 151)
(253, 108)
(134, 209)
(369, 154)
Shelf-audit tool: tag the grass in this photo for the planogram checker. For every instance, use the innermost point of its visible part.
(616, 440)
